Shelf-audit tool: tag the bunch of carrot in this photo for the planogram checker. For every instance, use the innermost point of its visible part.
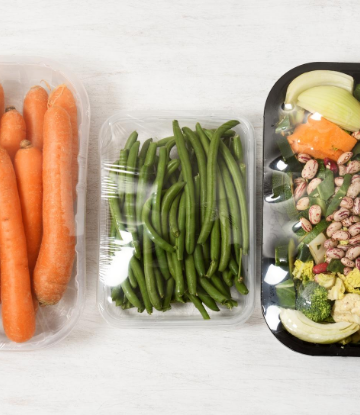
(38, 176)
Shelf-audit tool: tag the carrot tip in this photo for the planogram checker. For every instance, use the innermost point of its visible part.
(25, 144)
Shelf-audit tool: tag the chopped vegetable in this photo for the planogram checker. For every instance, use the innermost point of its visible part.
(326, 280)
(347, 309)
(320, 138)
(336, 200)
(335, 104)
(305, 329)
(335, 266)
(317, 248)
(352, 281)
(303, 271)
(337, 291)
(285, 292)
(315, 78)
(313, 302)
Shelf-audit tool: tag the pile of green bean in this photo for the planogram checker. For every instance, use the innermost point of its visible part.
(187, 217)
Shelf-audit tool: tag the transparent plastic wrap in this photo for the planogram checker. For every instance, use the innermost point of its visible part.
(157, 179)
(311, 216)
(17, 76)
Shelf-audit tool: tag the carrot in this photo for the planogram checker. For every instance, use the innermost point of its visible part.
(57, 252)
(321, 139)
(63, 97)
(2, 101)
(28, 168)
(12, 131)
(35, 106)
(18, 314)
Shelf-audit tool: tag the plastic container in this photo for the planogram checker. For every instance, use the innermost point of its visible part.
(17, 75)
(112, 270)
(277, 226)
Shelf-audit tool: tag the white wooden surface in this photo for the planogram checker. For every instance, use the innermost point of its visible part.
(188, 54)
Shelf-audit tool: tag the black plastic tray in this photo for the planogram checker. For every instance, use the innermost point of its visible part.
(274, 228)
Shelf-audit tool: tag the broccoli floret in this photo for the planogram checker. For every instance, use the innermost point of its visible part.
(313, 302)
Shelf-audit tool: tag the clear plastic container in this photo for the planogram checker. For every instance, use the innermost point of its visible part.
(113, 269)
(17, 75)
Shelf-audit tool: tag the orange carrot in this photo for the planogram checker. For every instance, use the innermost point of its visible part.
(2, 101)
(12, 131)
(57, 252)
(28, 168)
(35, 106)
(321, 139)
(18, 314)
(63, 97)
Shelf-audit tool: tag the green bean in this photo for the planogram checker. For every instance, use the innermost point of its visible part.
(238, 150)
(143, 183)
(131, 296)
(116, 292)
(226, 134)
(137, 269)
(228, 278)
(143, 152)
(214, 248)
(172, 167)
(189, 189)
(120, 300)
(179, 277)
(169, 146)
(164, 141)
(168, 294)
(207, 300)
(198, 304)
(225, 227)
(233, 206)
(150, 278)
(167, 201)
(180, 241)
(228, 142)
(132, 279)
(243, 172)
(211, 180)
(153, 235)
(130, 210)
(212, 291)
(112, 236)
(241, 287)
(131, 140)
(116, 214)
(124, 154)
(157, 189)
(203, 138)
(127, 305)
(201, 162)
(239, 187)
(234, 267)
(218, 284)
(199, 261)
(190, 273)
(173, 215)
(159, 282)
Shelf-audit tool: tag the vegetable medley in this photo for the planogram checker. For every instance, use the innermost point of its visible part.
(38, 177)
(181, 202)
(316, 185)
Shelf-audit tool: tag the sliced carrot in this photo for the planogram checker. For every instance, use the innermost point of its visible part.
(35, 106)
(63, 97)
(28, 168)
(57, 252)
(321, 139)
(12, 131)
(18, 314)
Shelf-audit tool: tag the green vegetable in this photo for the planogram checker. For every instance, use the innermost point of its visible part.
(335, 201)
(198, 304)
(335, 266)
(357, 92)
(307, 330)
(313, 302)
(131, 296)
(131, 140)
(286, 294)
(319, 228)
(283, 125)
(335, 104)
(326, 188)
(288, 155)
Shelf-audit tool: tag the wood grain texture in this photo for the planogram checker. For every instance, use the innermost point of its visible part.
(189, 54)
